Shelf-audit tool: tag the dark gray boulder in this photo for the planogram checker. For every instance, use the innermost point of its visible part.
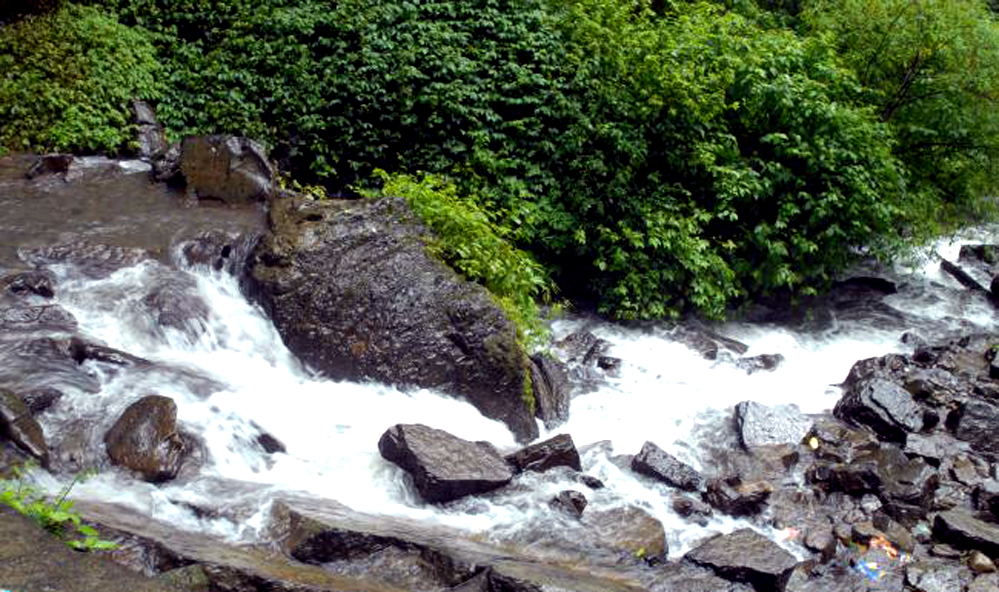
(760, 425)
(746, 556)
(630, 530)
(961, 529)
(444, 467)
(655, 462)
(228, 168)
(145, 439)
(554, 452)
(881, 405)
(975, 422)
(354, 292)
(569, 501)
(18, 426)
(738, 499)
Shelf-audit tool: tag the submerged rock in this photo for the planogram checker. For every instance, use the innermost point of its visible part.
(570, 501)
(354, 292)
(443, 467)
(145, 439)
(746, 556)
(38, 282)
(659, 464)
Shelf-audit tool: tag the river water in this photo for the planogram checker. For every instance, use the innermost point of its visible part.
(233, 379)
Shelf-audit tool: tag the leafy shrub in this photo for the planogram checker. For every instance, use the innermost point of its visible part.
(932, 71)
(66, 79)
(476, 247)
(55, 515)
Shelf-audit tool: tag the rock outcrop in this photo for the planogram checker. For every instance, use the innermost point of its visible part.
(228, 168)
(354, 292)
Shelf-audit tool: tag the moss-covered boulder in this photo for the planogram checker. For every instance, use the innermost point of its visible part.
(355, 293)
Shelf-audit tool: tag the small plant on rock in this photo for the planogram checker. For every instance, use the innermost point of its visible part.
(55, 515)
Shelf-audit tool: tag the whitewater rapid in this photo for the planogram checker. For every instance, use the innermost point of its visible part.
(663, 392)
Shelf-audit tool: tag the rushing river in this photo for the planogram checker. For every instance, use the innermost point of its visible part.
(233, 379)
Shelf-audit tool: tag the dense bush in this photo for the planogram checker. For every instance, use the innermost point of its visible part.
(66, 79)
(657, 156)
(932, 69)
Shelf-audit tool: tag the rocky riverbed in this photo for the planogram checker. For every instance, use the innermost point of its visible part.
(894, 487)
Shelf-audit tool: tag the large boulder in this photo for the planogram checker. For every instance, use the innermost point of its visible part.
(145, 439)
(655, 462)
(975, 422)
(746, 556)
(629, 530)
(444, 467)
(355, 293)
(228, 168)
(961, 529)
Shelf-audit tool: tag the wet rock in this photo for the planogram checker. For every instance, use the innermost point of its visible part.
(883, 406)
(571, 502)
(760, 363)
(590, 481)
(554, 452)
(837, 442)
(581, 353)
(934, 448)
(18, 426)
(192, 578)
(655, 462)
(986, 497)
(820, 539)
(82, 351)
(38, 282)
(33, 559)
(354, 292)
(46, 319)
(760, 425)
(705, 341)
(985, 583)
(746, 556)
(270, 444)
(173, 302)
(691, 508)
(94, 260)
(975, 422)
(683, 576)
(40, 400)
(145, 439)
(961, 529)
(738, 499)
(629, 530)
(49, 164)
(443, 467)
(149, 133)
(963, 277)
(889, 367)
(166, 166)
(980, 563)
(479, 583)
(937, 576)
(550, 379)
(228, 168)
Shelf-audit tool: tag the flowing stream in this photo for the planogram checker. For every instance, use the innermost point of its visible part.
(233, 379)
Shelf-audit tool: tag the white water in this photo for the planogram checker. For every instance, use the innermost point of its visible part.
(664, 393)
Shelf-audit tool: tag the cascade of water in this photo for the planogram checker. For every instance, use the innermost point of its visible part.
(248, 383)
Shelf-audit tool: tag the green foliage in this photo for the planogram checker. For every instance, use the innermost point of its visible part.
(66, 79)
(478, 248)
(55, 515)
(932, 71)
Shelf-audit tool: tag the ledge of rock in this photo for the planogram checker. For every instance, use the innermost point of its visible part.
(32, 559)
(18, 425)
(354, 293)
(444, 467)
